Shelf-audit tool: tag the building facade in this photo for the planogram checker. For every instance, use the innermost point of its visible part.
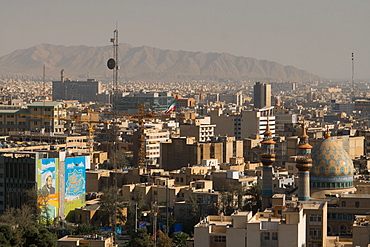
(83, 91)
(262, 95)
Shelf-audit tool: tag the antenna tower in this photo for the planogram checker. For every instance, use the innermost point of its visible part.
(353, 77)
(113, 65)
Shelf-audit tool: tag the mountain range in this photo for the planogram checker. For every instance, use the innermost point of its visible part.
(144, 63)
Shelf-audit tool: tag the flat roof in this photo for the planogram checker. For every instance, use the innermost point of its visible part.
(355, 196)
(47, 104)
(13, 111)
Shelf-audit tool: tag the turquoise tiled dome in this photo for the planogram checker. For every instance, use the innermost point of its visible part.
(331, 166)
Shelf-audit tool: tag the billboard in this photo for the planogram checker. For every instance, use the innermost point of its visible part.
(75, 182)
(48, 186)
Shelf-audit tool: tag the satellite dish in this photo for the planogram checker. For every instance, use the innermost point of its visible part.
(111, 63)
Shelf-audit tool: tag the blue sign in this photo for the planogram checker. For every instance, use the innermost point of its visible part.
(75, 178)
(178, 227)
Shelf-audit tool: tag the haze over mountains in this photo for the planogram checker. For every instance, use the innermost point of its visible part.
(144, 63)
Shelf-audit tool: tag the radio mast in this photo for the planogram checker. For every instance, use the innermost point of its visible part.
(353, 77)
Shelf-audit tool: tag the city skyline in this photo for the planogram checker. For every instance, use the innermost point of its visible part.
(315, 36)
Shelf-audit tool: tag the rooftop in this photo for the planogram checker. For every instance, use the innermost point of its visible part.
(47, 104)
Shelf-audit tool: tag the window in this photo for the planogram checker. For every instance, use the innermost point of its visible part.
(343, 203)
(315, 233)
(34, 109)
(220, 239)
(266, 236)
(274, 236)
(315, 217)
(357, 204)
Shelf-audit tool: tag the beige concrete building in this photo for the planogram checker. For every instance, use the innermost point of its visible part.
(246, 124)
(14, 118)
(182, 152)
(361, 231)
(153, 139)
(93, 241)
(289, 224)
(200, 128)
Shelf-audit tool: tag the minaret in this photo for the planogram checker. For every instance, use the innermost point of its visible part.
(304, 164)
(267, 159)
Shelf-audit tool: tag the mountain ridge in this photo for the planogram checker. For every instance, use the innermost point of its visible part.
(145, 63)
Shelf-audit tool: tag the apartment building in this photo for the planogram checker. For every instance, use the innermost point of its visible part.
(14, 118)
(288, 224)
(246, 124)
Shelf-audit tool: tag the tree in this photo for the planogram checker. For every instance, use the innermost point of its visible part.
(84, 229)
(140, 238)
(113, 203)
(40, 236)
(254, 202)
(7, 236)
(164, 240)
(120, 159)
(179, 238)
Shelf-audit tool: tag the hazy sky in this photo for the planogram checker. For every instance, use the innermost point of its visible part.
(316, 35)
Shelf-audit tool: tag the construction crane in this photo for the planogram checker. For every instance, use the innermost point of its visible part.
(140, 117)
(90, 128)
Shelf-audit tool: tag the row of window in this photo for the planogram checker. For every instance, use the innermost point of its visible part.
(269, 235)
(344, 204)
(316, 217)
(336, 216)
(315, 233)
(219, 239)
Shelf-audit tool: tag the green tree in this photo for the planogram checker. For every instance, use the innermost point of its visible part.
(113, 203)
(136, 207)
(140, 238)
(7, 236)
(120, 159)
(179, 238)
(254, 201)
(193, 219)
(40, 236)
(163, 240)
(84, 229)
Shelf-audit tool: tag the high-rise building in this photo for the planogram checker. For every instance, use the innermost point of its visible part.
(262, 95)
(83, 91)
(246, 124)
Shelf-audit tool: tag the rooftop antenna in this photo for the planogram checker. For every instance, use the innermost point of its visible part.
(43, 85)
(353, 76)
(113, 65)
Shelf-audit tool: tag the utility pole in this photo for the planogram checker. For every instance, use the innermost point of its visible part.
(155, 223)
(135, 216)
(353, 77)
(167, 225)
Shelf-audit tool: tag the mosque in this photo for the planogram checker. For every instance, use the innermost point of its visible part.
(325, 173)
(328, 169)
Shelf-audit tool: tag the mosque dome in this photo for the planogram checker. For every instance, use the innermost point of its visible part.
(331, 166)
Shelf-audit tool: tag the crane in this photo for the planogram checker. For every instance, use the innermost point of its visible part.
(90, 128)
(140, 117)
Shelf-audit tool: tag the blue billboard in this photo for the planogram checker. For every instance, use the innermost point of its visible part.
(75, 182)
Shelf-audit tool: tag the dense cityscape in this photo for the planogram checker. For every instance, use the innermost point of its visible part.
(185, 123)
(191, 163)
